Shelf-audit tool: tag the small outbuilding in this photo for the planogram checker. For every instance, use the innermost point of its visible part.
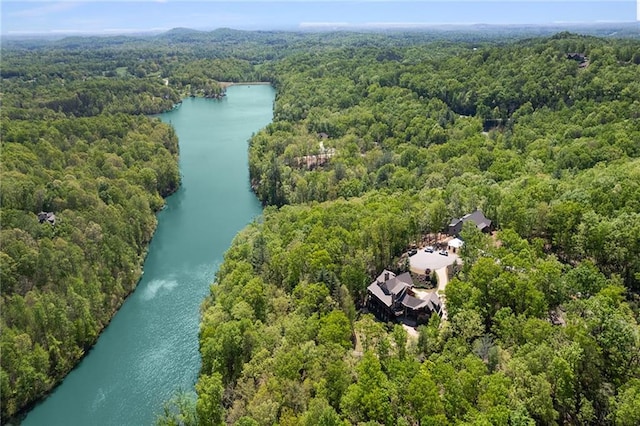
(456, 243)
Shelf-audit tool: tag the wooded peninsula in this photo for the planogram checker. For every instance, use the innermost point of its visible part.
(379, 141)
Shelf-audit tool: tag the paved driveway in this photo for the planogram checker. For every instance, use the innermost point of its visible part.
(422, 260)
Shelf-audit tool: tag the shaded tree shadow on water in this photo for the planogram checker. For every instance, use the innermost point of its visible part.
(179, 410)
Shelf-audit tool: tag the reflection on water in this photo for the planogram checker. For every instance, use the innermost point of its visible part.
(155, 286)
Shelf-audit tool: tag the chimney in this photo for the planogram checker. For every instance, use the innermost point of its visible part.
(386, 276)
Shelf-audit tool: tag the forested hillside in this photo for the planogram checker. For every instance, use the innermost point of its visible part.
(75, 146)
(378, 140)
(373, 147)
(277, 336)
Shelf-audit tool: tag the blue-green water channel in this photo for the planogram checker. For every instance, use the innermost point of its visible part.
(150, 348)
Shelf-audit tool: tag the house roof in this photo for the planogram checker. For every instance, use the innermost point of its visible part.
(394, 286)
(376, 290)
(385, 275)
(413, 302)
(478, 218)
(388, 285)
(47, 216)
(405, 278)
(389, 288)
(576, 56)
(434, 302)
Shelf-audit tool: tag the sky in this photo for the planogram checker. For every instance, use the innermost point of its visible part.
(19, 17)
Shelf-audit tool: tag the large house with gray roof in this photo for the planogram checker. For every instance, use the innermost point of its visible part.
(477, 218)
(391, 297)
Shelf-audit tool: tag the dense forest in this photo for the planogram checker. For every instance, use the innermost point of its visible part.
(377, 141)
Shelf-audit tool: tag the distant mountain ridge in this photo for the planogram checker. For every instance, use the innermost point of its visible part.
(605, 29)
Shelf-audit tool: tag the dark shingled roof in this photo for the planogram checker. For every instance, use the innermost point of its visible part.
(434, 302)
(377, 291)
(48, 217)
(413, 302)
(388, 284)
(389, 288)
(478, 218)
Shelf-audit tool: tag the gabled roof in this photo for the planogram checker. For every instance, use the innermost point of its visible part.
(389, 288)
(379, 293)
(413, 302)
(394, 283)
(405, 278)
(393, 286)
(576, 56)
(385, 275)
(478, 218)
(434, 303)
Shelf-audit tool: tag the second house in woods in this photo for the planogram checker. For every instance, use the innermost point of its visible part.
(48, 217)
(391, 297)
(477, 218)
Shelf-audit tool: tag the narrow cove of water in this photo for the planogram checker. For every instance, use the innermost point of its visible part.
(150, 348)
